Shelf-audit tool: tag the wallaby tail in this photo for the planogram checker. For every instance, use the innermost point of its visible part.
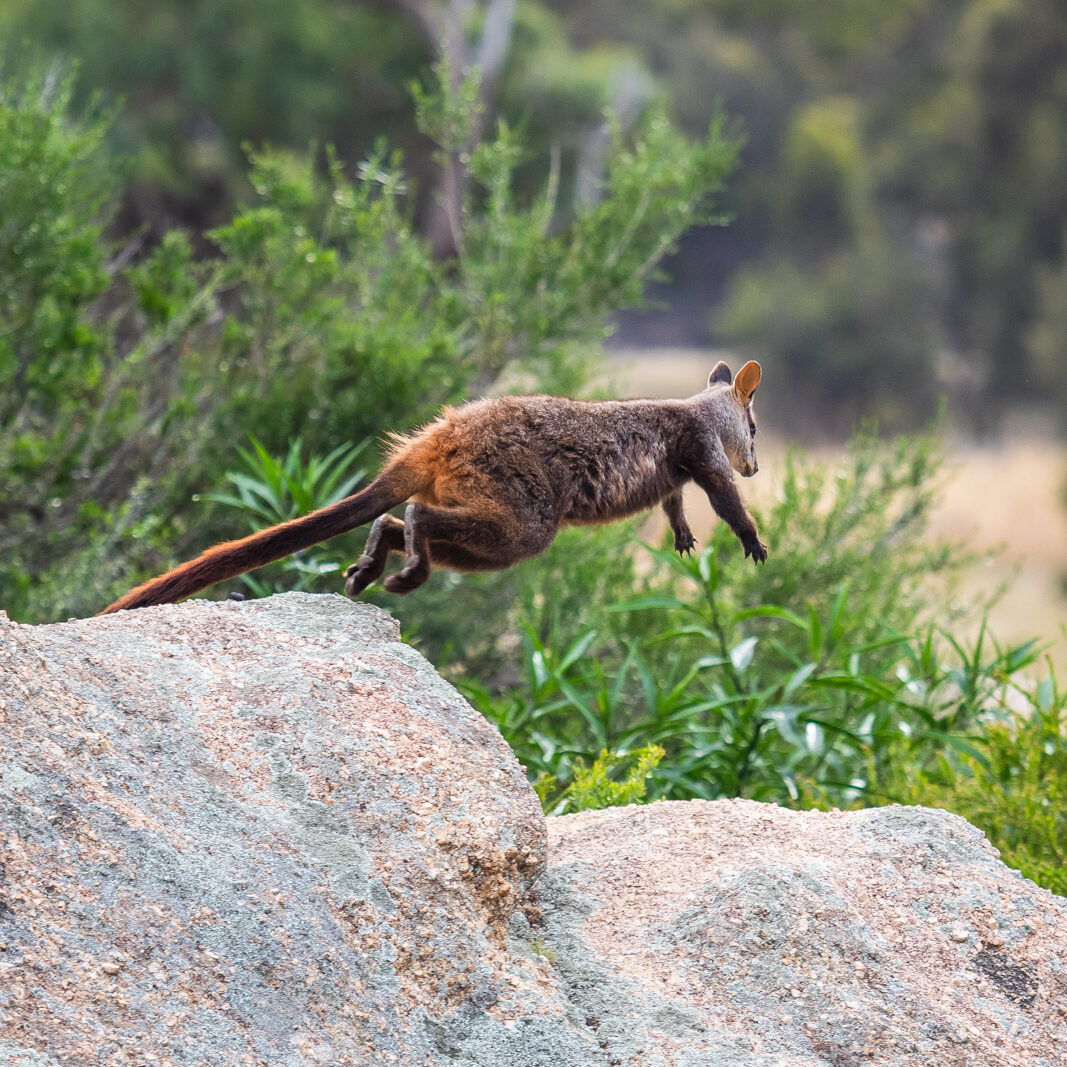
(232, 558)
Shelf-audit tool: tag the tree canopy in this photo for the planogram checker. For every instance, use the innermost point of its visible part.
(898, 229)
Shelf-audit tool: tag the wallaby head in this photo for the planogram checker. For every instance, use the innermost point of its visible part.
(737, 425)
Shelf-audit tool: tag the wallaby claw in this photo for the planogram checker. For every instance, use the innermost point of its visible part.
(684, 543)
(407, 579)
(355, 583)
(757, 551)
(361, 573)
(363, 561)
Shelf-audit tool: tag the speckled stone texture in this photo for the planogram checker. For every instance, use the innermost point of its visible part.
(259, 833)
(268, 834)
(733, 933)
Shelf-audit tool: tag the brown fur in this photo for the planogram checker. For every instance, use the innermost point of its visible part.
(490, 483)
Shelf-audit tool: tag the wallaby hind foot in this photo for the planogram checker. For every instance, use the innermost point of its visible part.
(386, 535)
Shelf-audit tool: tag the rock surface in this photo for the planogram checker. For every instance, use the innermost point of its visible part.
(267, 833)
(735, 933)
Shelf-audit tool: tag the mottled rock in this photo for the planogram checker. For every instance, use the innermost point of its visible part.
(735, 933)
(257, 833)
(268, 834)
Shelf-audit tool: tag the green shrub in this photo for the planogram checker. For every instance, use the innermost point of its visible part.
(1007, 774)
(271, 491)
(819, 679)
(318, 313)
(612, 781)
(824, 678)
(68, 396)
(767, 682)
(329, 275)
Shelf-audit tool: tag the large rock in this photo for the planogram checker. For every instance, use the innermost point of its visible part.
(268, 834)
(736, 933)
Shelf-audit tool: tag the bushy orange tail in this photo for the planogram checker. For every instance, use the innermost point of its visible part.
(232, 558)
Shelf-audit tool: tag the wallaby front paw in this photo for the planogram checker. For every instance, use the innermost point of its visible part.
(755, 548)
(684, 542)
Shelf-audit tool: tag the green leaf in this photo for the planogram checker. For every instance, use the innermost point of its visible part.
(741, 654)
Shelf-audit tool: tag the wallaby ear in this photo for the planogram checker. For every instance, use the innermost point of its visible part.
(720, 373)
(747, 381)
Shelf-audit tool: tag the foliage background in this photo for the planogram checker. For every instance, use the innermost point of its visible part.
(901, 221)
(239, 242)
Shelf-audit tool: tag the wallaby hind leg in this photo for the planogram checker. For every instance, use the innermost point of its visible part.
(462, 538)
(454, 558)
(386, 535)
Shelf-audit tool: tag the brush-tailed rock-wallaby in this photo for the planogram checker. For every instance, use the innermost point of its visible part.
(491, 482)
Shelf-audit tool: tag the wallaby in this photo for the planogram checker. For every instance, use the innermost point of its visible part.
(491, 482)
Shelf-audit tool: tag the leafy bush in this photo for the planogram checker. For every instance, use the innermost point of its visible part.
(70, 399)
(825, 678)
(1007, 774)
(736, 709)
(320, 313)
(756, 682)
(272, 491)
(331, 276)
(612, 781)
(51, 258)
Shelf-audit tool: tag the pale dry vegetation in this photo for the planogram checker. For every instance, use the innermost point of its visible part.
(1004, 500)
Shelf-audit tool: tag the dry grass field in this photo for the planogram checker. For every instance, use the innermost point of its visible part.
(1007, 499)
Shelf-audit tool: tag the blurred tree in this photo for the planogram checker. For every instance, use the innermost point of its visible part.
(198, 78)
(462, 35)
(201, 79)
(957, 160)
(920, 140)
(977, 144)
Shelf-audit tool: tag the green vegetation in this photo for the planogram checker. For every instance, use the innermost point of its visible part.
(1011, 779)
(317, 315)
(826, 678)
(903, 217)
(272, 491)
(129, 377)
(594, 787)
